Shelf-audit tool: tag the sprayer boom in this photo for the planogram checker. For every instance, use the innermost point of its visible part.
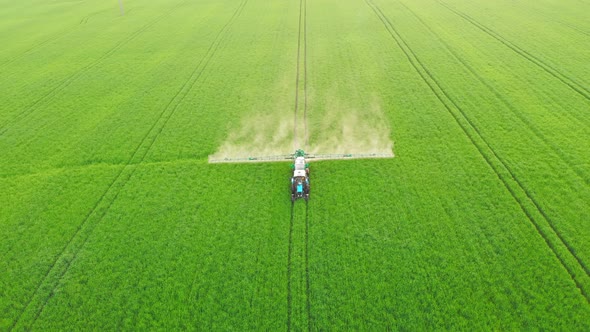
(337, 156)
(253, 159)
(300, 153)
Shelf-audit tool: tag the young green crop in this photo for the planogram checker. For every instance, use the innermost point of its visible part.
(111, 218)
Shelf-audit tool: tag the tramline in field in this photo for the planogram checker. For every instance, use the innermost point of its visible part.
(112, 218)
(300, 186)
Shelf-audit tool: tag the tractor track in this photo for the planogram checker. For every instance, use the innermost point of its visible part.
(52, 267)
(56, 36)
(305, 74)
(86, 18)
(53, 37)
(474, 135)
(307, 281)
(121, 179)
(300, 107)
(538, 133)
(549, 17)
(577, 87)
(289, 255)
(306, 267)
(76, 75)
(301, 62)
(572, 27)
(211, 51)
(565, 24)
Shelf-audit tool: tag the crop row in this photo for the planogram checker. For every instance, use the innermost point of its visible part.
(436, 208)
(529, 150)
(115, 221)
(61, 125)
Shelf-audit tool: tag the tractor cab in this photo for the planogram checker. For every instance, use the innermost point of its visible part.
(299, 188)
(300, 179)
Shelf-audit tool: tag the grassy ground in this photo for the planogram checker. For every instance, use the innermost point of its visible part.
(111, 217)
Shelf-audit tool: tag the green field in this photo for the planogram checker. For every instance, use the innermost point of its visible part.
(111, 217)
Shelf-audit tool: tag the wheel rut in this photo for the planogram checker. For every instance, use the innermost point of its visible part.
(45, 98)
(52, 38)
(570, 82)
(514, 110)
(300, 131)
(46, 287)
(544, 226)
(298, 280)
(307, 279)
(289, 255)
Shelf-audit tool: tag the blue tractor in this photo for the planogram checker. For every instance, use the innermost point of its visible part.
(300, 179)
